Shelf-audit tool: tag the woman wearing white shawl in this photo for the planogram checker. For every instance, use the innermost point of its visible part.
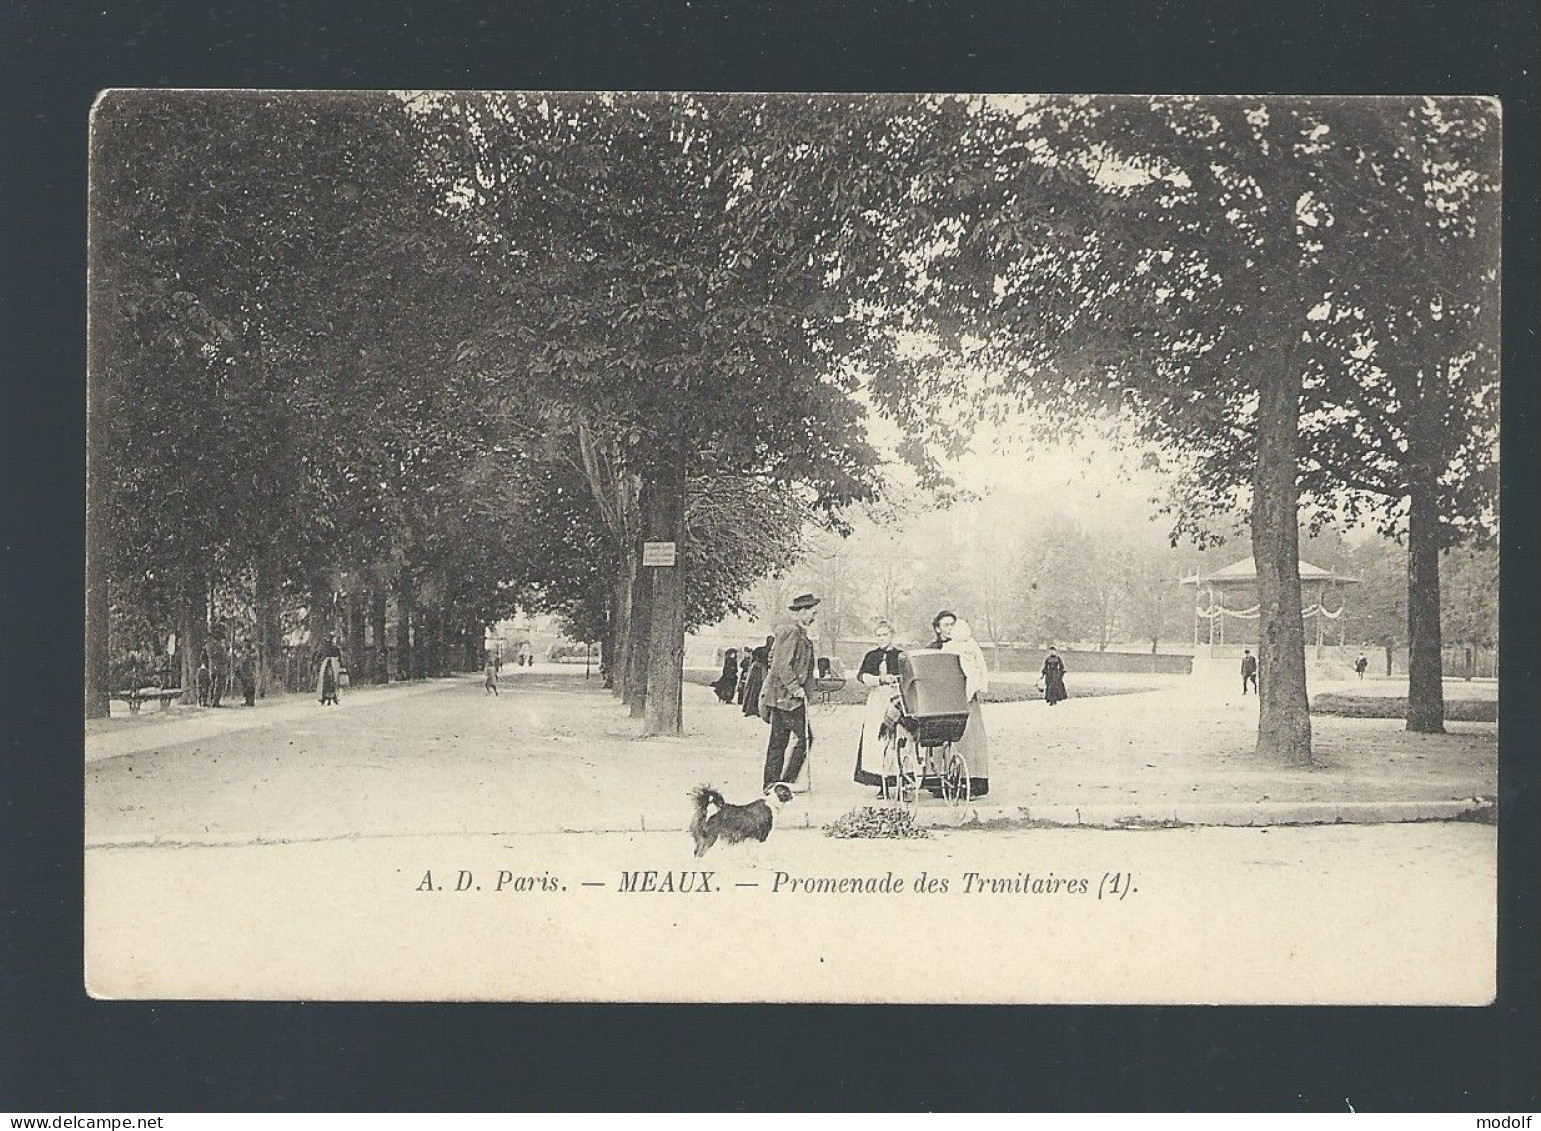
(956, 636)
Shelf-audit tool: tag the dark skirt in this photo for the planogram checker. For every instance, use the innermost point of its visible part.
(752, 686)
(326, 678)
(1054, 688)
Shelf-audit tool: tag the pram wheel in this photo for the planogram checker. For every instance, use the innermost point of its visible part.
(899, 768)
(956, 788)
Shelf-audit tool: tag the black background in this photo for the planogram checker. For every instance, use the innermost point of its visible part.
(61, 1051)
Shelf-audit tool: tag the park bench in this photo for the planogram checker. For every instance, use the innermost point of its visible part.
(135, 696)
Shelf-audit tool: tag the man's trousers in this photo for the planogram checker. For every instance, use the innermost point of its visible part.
(784, 725)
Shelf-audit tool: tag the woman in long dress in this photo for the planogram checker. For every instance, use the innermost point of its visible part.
(728, 680)
(744, 661)
(880, 674)
(1054, 678)
(328, 670)
(760, 663)
(957, 637)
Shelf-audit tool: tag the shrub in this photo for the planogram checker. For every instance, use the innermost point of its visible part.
(891, 823)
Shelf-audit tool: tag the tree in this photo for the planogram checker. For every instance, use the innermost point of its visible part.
(260, 408)
(684, 275)
(1165, 257)
(1402, 420)
(1469, 601)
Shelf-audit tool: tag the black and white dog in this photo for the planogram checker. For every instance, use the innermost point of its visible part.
(733, 824)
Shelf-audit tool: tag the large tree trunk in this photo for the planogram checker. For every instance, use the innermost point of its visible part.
(192, 635)
(475, 638)
(432, 648)
(639, 624)
(620, 593)
(358, 651)
(99, 666)
(634, 695)
(102, 294)
(318, 617)
(1425, 678)
(448, 628)
(406, 601)
(270, 635)
(1284, 719)
(379, 669)
(421, 641)
(666, 618)
(612, 634)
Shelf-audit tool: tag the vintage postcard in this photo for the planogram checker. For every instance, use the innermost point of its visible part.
(792, 548)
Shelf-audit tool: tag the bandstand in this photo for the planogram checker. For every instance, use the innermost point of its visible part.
(1232, 593)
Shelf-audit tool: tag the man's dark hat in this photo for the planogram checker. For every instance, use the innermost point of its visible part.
(806, 601)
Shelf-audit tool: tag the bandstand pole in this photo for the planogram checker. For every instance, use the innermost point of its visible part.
(1213, 616)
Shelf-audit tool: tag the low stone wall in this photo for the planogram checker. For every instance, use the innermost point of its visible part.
(1010, 658)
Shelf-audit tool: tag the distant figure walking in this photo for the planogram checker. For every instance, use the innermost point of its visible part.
(217, 651)
(759, 663)
(1362, 664)
(745, 659)
(1248, 671)
(329, 670)
(727, 682)
(526, 655)
(1054, 678)
(788, 683)
(490, 666)
(201, 682)
(246, 676)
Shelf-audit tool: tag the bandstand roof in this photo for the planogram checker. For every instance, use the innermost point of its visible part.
(1244, 572)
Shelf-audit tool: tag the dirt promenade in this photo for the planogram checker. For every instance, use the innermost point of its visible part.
(556, 752)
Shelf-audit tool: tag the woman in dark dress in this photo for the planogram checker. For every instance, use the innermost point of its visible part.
(759, 664)
(879, 673)
(1053, 678)
(744, 662)
(727, 682)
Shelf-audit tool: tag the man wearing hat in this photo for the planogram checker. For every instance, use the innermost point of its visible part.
(787, 685)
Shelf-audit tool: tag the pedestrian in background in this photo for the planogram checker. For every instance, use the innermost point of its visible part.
(754, 682)
(246, 675)
(745, 660)
(218, 652)
(329, 670)
(1248, 670)
(1054, 678)
(727, 682)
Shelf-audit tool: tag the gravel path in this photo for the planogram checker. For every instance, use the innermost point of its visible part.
(553, 752)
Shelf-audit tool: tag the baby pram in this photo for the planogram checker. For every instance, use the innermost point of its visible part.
(919, 733)
(829, 678)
